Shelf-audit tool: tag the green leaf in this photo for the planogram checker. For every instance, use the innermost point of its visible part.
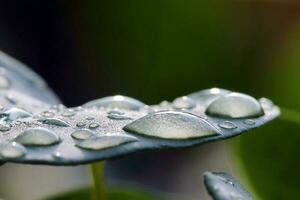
(37, 132)
(114, 194)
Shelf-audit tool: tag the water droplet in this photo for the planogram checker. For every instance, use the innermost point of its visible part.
(118, 101)
(82, 134)
(267, 104)
(235, 105)
(68, 113)
(54, 121)
(94, 125)
(249, 121)
(184, 103)
(4, 82)
(37, 137)
(118, 117)
(172, 125)
(11, 99)
(4, 127)
(90, 118)
(48, 113)
(105, 141)
(12, 150)
(16, 113)
(227, 125)
(81, 124)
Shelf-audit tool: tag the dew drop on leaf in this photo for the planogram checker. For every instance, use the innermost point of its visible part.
(205, 97)
(105, 141)
(82, 134)
(54, 121)
(118, 101)
(4, 127)
(4, 82)
(48, 113)
(172, 125)
(81, 124)
(37, 137)
(118, 117)
(235, 105)
(12, 150)
(184, 103)
(227, 125)
(94, 125)
(249, 121)
(16, 113)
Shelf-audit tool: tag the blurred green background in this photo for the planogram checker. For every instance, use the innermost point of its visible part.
(160, 49)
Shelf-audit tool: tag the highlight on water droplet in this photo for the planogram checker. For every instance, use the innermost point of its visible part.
(82, 134)
(37, 137)
(12, 150)
(184, 103)
(235, 105)
(118, 101)
(105, 141)
(172, 125)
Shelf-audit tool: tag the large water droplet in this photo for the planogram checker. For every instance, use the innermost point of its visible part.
(16, 113)
(105, 141)
(4, 82)
(227, 125)
(82, 134)
(184, 103)
(172, 125)
(37, 137)
(118, 101)
(12, 150)
(54, 121)
(235, 105)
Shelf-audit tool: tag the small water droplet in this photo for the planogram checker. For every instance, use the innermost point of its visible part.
(118, 117)
(37, 137)
(235, 105)
(12, 150)
(172, 125)
(54, 121)
(105, 141)
(68, 113)
(82, 134)
(90, 118)
(205, 97)
(11, 99)
(93, 125)
(249, 121)
(184, 103)
(4, 127)
(81, 124)
(16, 113)
(4, 82)
(227, 125)
(118, 101)
(48, 113)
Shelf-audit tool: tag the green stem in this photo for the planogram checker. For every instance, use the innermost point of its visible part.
(97, 175)
(290, 115)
